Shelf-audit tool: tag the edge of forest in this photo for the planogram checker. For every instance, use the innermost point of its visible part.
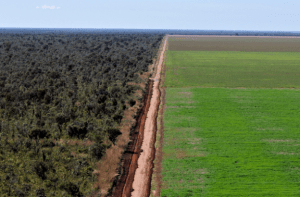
(110, 169)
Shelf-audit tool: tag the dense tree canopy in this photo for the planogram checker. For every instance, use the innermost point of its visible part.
(58, 87)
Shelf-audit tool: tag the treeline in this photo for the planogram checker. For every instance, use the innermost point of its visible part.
(59, 87)
(146, 31)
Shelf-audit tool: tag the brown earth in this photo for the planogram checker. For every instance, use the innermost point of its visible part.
(235, 43)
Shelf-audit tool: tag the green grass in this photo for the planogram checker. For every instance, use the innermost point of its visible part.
(231, 142)
(233, 69)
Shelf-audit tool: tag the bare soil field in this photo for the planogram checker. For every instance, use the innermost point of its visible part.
(234, 43)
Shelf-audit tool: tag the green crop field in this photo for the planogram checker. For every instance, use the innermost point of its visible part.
(231, 142)
(220, 140)
(233, 69)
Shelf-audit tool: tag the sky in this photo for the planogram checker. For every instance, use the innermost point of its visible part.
(254, 15)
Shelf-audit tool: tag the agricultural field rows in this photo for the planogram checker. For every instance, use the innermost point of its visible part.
(233, 69)
(230, 121)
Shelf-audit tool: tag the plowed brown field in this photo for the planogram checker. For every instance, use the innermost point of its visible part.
(234, 43)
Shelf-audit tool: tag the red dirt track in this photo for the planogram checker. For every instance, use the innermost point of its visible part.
(130, 158)
(137, 161)
(142, 178)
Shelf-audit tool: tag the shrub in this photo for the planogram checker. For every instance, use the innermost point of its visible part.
(77, 129)
(41, 93)
(113, 134)
(72, 189)
(47, 98)
(40, 169)
(40, 192)
(90, 106)
(132, 102)
(61, 118)
(20, 193)
(39, 133)
(117, 118)
(28, 143)
(26, 188)
(97, 150)
(62, 149)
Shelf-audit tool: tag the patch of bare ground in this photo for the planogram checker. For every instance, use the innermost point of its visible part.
(194, 140)
(201, 171)
(185, 93)
(195, 182)
(273, 140)
(285, 153)
(180, 154)
(295, 168)
(270, 129)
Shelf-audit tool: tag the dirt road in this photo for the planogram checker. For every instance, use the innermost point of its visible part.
(142, 177)
(138, 159)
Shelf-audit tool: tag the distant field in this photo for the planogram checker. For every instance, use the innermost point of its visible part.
(233, 69)
(231, 142)
(234, 43)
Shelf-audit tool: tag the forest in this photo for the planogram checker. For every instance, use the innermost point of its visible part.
(56, 87)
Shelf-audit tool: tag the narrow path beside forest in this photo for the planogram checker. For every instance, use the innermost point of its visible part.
(142, 178)
(138, 163)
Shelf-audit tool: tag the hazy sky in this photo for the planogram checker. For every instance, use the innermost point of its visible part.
(262, 15)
